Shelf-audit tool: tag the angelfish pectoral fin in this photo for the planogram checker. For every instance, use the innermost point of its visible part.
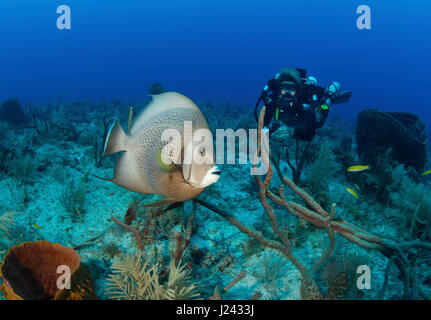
(160, 203)
(170, 167)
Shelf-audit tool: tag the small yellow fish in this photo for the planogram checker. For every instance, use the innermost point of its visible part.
(425, 173)
(358, 168)
(352, 192)
(36, 226)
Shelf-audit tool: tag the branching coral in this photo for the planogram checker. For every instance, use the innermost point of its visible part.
(134, 278)
(321, 169)
(6, 222)
(73, 198)
(270, 270)
(182, 239)
(156, 225)
(21, 166)
(179, 285)
(412, 199)
(296, 163)
(137, 277)
(217, 295)
(132, 230)
(338, 274)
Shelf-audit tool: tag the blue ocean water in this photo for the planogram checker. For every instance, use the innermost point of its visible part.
(216, 50)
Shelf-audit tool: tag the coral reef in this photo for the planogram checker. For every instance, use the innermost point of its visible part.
(244, 238)
(394, 249)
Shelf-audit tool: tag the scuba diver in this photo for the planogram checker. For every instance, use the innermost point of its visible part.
(298, 102)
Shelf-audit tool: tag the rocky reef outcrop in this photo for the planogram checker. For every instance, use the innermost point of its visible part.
(12, 112)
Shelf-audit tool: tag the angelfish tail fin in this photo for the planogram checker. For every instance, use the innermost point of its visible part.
(116, 140)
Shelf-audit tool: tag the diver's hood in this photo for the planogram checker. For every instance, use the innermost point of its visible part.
(289, 84)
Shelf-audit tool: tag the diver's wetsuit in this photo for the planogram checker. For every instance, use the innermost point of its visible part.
(306, 112)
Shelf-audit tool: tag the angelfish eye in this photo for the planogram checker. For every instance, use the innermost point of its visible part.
(202, 152)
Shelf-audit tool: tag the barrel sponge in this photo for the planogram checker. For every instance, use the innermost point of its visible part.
(29, 272)
(402, 132)
(12, 112)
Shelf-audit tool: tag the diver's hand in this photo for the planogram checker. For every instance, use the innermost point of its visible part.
(274, 127)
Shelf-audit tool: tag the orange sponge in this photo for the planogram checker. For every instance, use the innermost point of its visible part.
(30, 272)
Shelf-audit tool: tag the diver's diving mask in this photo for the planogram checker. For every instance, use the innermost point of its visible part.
(289, 90)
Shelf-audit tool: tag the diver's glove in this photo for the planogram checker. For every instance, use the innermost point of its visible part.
(274, 127)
